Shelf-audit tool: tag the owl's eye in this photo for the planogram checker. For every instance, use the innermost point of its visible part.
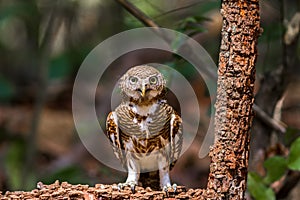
(153, 80)
(133, 79)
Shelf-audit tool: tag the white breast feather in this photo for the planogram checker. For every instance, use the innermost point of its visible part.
(134, 120)
(129, 144)
(145, 110)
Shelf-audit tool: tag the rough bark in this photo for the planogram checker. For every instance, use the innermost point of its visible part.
(236, 75)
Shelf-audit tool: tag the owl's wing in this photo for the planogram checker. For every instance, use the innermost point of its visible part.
(176, 137)
(113, 134)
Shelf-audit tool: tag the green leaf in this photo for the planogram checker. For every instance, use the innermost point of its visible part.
(294, 156)
(276, 167)
(258, 189)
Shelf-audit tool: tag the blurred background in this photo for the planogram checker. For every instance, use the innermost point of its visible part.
(42, 45)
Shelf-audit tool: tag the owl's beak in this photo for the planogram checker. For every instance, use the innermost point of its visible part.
(143, 90)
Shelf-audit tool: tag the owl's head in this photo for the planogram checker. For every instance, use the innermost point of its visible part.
(142, 83)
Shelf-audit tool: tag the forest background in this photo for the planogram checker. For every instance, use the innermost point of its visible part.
(41, 54)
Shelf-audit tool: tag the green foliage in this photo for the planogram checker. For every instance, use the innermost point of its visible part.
(276, 167)
(192, 25)
(131, 22)
(185, 68)
(294, 156)
(258, 189)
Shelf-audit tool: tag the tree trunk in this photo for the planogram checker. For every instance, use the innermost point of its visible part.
(236, 75)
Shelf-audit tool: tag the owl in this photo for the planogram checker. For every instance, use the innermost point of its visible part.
(145, 132)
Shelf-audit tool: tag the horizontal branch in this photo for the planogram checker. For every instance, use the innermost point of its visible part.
(65, 190)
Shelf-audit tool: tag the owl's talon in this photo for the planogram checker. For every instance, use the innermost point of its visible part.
(120, 187)
(132, 186)
(129, 184)
(166, 188)
(174, 186)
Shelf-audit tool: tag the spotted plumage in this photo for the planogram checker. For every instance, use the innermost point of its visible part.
(145, 132)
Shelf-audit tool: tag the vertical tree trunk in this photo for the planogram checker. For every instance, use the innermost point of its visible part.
(236, 75)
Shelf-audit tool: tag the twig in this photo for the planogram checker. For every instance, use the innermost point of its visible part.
(276, 125)
(137, 13)
(290, 182)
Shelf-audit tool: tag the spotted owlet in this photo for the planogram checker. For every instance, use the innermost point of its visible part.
(144, 130)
